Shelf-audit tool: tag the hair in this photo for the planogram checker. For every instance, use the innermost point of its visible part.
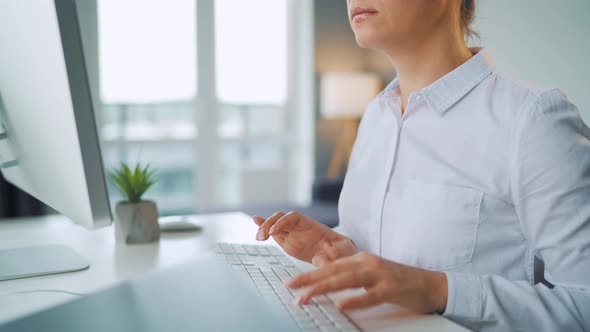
(467, 18)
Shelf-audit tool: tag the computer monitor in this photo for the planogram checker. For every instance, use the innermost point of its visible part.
(49, 144)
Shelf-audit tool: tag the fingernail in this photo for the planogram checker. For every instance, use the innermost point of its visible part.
(272, 230)
(260, 236)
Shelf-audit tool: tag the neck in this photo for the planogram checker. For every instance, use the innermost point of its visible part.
(423, 62)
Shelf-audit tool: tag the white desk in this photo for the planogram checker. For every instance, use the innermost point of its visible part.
(112, 263)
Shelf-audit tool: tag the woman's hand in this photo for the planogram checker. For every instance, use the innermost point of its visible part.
(385, 281)
(304, 238)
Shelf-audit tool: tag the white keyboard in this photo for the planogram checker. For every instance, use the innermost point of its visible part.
(267, 267)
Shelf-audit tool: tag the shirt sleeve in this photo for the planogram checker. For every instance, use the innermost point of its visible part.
(340, 230)
(550, 184)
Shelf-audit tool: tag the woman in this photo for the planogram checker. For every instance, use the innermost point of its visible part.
(460, 180)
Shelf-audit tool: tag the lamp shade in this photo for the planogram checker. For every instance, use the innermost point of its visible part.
(346, 95)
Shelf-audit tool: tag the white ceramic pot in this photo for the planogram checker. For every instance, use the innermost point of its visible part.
(136, 222)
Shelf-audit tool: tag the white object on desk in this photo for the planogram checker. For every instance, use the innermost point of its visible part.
(112, 263)
(178, 224)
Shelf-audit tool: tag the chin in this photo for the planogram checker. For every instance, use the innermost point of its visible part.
(368, 39)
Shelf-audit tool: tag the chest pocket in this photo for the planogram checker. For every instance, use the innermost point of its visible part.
(435, 225)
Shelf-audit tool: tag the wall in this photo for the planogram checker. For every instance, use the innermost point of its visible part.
(542, 41)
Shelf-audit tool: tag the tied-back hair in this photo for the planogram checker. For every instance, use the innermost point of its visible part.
(467, 18)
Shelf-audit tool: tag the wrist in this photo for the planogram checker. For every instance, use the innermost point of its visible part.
(441, 292)
(341, 240)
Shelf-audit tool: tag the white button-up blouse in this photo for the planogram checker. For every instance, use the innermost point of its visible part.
(480, 175)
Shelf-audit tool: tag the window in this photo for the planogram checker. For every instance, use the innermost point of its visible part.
(206, 142)
(147, 50)
(251, 51)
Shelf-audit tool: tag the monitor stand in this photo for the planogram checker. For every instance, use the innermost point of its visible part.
(38, 261)
(7, 158)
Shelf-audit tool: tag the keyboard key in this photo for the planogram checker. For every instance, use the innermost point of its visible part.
(277, 283)
(323, 321)
(226, 248)
(251, 250)
(262, 251)
(272, 260)
(293, 271)
(296, 309)
(285, 294)
(323, 300)
(239, 249)
(340, 319)
(233, 259)
(345, 325)
(306, 324)
(285, 261)
(268, 272)
(312, 309)
(317, 315)
(247, 262)
(275, 251)
(328, 328)
(281, 272)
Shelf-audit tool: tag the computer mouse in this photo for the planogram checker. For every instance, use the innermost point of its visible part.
(178, 224)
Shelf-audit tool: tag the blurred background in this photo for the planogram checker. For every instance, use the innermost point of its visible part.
(253, 105)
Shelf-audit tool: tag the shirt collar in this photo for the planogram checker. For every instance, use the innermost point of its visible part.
(449, 89)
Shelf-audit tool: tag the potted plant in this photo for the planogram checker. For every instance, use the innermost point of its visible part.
(136, 220)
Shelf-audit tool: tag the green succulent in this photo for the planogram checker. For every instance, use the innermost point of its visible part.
(133, 183)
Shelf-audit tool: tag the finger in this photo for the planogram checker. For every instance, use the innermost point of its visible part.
(305, 279)
(320, 259)
(262, 234)
(280, 239)
(332, 253)
(350, 279)
(258, 220)
(289, 220)
(368, 299)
